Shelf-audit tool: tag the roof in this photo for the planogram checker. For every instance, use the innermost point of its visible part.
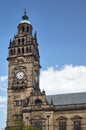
(72, 98)
(25, 21)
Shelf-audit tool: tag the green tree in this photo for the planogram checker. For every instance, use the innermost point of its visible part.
(30, 128)
(20, 125)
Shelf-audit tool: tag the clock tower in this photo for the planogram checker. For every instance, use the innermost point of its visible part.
(23, 69)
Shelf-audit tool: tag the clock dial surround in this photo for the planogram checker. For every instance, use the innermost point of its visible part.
(20, 75)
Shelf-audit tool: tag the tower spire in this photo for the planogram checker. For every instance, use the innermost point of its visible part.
(25, 12)
(25, 18)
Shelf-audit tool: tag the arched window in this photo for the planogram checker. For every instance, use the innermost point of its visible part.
(22, 50)
(27, 29)
(30, 49)
(38, 102)
(23, 29)
(18, 50)
(10, 52)
(27, 50)
(14, 51)
(19, 41)
(23, 41)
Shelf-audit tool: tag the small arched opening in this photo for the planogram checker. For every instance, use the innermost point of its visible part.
(38, 102)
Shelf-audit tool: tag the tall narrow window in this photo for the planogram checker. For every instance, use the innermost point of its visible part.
(10, 53)
(18, 120)
(77, 122)
(62, 125)
(22, 50)
(27, 29)
(23, 29)
(30, 49)
(18, 41)
(77, 125)
(18, 50)
(14, 51)
(27, 49)
(23, 41)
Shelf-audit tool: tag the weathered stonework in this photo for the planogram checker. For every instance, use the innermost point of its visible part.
(25, 100)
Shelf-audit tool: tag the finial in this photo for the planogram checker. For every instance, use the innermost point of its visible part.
(51, 101)
(10, 41)
(25, 12)
(43, 92)
(25, 17)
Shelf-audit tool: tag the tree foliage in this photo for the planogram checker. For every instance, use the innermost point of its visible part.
(22, 128)
(20, 125)
(30, 128)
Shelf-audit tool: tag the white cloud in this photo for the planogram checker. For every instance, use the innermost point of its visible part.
(3, 99)
(54, 80)
(3, 102)
(3, 93)
(3, 78)
(3, 107)
(3, 110)
(69, 79)
(3, 83)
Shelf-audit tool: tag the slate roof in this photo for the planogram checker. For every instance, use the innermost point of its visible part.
(72, 98)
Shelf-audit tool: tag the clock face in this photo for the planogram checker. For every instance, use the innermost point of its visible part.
(20, 75)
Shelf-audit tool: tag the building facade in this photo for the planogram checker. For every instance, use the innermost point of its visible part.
(26, 102)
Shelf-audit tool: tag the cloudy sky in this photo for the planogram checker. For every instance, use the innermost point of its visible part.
(61, 32)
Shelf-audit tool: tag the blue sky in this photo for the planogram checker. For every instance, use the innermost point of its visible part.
(60, 25)
(61, 33)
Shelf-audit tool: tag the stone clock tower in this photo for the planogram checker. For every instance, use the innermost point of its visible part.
(23, 70)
